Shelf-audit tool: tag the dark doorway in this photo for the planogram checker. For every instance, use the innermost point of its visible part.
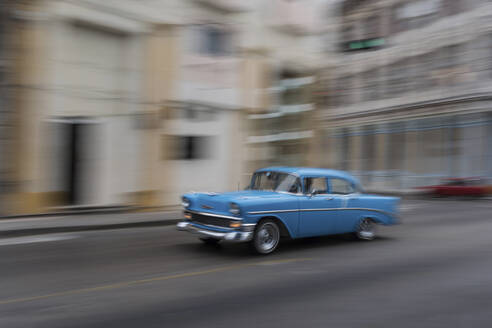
(72, 158)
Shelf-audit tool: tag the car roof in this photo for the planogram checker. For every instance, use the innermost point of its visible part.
(310, 171)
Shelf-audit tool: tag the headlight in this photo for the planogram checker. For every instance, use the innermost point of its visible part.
(185, 202)
(234, 209)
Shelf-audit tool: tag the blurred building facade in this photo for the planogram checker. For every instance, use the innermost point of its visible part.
(204, 117)
(78, 96)
(282, 124)
(123, 102)
(7, 118)
(127, 102)
(409, 98)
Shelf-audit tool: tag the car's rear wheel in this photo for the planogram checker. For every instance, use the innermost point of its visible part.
(210, 241)
(266, 237)
(366, 230)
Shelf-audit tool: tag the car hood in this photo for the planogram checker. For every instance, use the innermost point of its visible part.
(220, 202)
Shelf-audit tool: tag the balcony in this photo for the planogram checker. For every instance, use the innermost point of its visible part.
(284, 136)
(283, 110)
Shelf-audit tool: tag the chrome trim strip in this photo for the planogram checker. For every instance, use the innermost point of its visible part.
(216, 215)
(224, 228)
(373, 210)
(232, 236)
(290, 193)
(272, 211)
(324, 209)
(213, 226)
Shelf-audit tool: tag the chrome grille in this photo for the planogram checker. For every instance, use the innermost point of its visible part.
(210, 220)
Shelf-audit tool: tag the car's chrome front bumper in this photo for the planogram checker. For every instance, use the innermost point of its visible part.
(231, 236)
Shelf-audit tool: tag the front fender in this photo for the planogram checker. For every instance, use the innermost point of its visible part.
(290, 220)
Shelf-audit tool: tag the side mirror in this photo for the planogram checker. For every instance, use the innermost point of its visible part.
(313, 193)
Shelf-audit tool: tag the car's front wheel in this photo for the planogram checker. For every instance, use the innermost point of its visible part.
(266, 237)
(366, 230)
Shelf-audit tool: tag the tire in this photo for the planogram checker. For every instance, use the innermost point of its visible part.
(209, 241)
(366, 229)
(266, 237)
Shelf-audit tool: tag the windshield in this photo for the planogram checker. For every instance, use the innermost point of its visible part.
(275, 181)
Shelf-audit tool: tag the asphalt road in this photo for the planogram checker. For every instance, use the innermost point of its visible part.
(434, 270)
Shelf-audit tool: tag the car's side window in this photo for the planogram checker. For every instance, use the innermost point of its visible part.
(315, 185)
(341, 186)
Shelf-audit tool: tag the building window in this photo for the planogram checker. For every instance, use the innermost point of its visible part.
(187, 147)
(347, 34)
(452, 55)
(397, 82)
(366, 85)
(396, 147)
(454, 58)
(349, 6)
(451, 7)
(434, 65)
(344, 90)
(369, 37)
(370, 81)
(368, 160)
(482, 57)
(294, 96)
(422, 65)
(445, 65)
(372, 29)
(345, 150)
(489, 66)
(215, 41)
(190, 113)
(411, 74)
(380, 76)
(416, 14)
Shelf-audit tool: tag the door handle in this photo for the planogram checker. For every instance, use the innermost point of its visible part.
(328, 198)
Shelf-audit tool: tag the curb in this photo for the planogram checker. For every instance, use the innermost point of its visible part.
(127, 209)
(101, 210)
(42, 231)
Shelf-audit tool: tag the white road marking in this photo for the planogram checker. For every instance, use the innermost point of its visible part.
(34, 239)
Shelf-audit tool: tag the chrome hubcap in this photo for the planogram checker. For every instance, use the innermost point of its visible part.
(366, 229)
(268, 236)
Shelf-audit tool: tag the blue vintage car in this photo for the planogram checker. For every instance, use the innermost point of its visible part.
(287, 202)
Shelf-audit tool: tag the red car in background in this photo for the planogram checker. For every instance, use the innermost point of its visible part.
(474, 187)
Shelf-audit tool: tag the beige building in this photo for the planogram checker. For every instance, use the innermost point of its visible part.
(126, 103)
(7, 118)
(79, 102)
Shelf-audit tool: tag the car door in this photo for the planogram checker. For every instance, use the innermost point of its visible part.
(346, 193)
(317, 208)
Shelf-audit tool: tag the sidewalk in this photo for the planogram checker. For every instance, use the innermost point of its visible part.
(23, 226)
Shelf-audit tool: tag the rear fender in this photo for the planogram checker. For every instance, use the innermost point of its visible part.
(379, 218)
